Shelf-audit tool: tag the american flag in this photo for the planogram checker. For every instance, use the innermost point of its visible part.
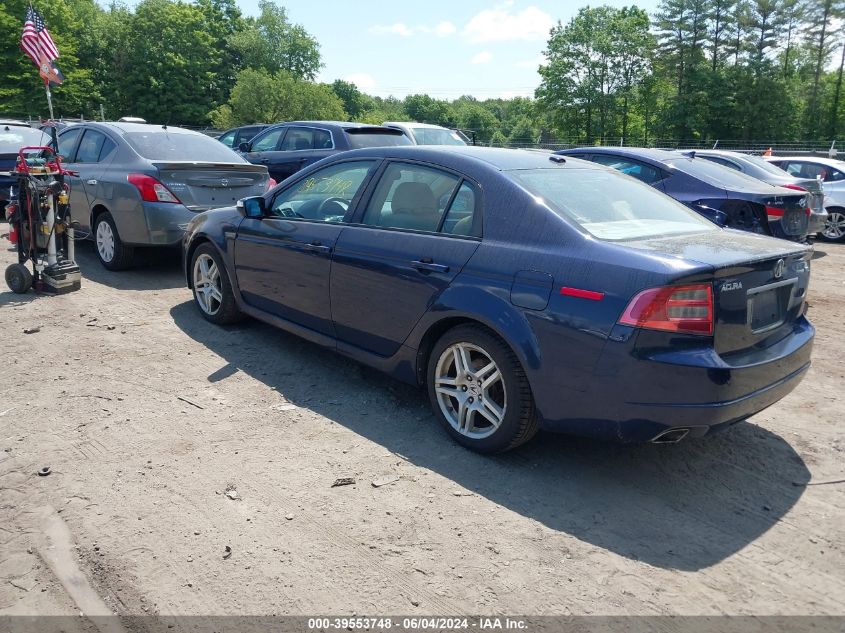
(36, 39)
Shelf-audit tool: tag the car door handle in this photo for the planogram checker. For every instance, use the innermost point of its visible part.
(91, 182)
(426, 265)
(316, 247)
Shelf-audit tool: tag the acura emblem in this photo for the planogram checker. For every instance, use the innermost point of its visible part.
(225, 183)
(779, 269)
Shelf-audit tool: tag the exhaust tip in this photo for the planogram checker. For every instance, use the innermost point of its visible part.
(672, 436)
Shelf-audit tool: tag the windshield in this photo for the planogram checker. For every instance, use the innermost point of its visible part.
(376, 138)
(610, 205)
(13, 137)
(715, 174)
(160, 144)
(436, 136)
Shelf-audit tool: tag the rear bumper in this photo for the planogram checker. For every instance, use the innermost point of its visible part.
(166, 223)
(637, 397)
(817, 222)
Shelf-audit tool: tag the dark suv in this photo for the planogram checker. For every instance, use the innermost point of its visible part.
(286, 148)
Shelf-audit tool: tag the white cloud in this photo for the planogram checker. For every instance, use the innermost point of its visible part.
(483, 57)
(362, 80)
(499, 25)
(444, 29)
(398, 28)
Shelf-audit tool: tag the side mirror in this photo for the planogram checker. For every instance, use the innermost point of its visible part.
(252, 207)
(244, 147)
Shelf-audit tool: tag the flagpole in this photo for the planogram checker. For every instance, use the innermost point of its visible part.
(49, 98)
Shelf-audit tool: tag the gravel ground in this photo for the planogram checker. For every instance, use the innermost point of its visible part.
(170, 440)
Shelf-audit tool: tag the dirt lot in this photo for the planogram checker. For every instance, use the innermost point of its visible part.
(170, 439)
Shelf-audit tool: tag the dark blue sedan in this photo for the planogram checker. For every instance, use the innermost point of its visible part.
(725, 196)
(525, 290)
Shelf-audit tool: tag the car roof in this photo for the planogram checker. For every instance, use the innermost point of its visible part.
(821, 160)
(492, 157)
(721, 152)
(632, 152)
(337, 124)
(429, 126)
(14, 122)
(123, 128)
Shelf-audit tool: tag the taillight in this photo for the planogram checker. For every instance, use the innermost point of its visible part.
(151, 189)
(775, 211)
(684, 309)
(794, 187)
(271, 183)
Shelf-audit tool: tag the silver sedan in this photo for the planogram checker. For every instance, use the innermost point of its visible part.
(138, 185)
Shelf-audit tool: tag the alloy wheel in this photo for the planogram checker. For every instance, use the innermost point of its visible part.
(834, 228)
(105, 241)
(470, 390)
(207, 287)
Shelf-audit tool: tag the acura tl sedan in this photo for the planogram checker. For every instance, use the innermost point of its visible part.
(524, 290)
(137, 185)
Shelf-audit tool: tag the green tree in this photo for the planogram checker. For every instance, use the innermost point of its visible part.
(354, 101)
(271, 42)
(259, 97)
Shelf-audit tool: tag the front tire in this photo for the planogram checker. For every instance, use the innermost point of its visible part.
(834, 228)
(111, 251)
(212, 291)
(479, 391)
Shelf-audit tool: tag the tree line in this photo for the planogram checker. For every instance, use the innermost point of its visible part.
(697, 70)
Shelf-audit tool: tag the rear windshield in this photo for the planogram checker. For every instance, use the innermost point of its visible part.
(433, 136)
(159, 144)
(376, 138)
(762, 163)
(714, 174)
(610, 205)
(12, 138)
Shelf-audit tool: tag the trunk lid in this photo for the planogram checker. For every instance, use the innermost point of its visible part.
(759, 284)
(202, 186)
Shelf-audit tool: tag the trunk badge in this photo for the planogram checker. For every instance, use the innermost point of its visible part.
(225, 182)
(779, 269)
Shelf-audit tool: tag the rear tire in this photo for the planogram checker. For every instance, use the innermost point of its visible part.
(479, 391)
(18, 278)
(834, 229)
(111, 251)
(213, 293)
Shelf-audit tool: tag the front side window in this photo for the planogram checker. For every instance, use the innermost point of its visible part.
(608, 205)
(325, 195)
(639, 171)
(228, 139)
(268, 142)
(410, 197)
(66, 142)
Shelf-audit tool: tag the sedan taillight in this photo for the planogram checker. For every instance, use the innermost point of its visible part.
(683, 309)
(151, 189)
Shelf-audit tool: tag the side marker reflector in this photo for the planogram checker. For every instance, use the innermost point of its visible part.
(581, 294)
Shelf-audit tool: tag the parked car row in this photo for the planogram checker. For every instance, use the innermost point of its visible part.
(523, 290)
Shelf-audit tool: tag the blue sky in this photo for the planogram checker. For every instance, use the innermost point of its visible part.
(444, 48)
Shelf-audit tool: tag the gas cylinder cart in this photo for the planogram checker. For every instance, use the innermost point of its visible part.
(40, 225)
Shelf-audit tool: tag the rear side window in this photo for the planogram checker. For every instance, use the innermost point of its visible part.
(301, 138)
(411, 197)
(609, 205)
(460, 218)
(375, 137)
(638, 170)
